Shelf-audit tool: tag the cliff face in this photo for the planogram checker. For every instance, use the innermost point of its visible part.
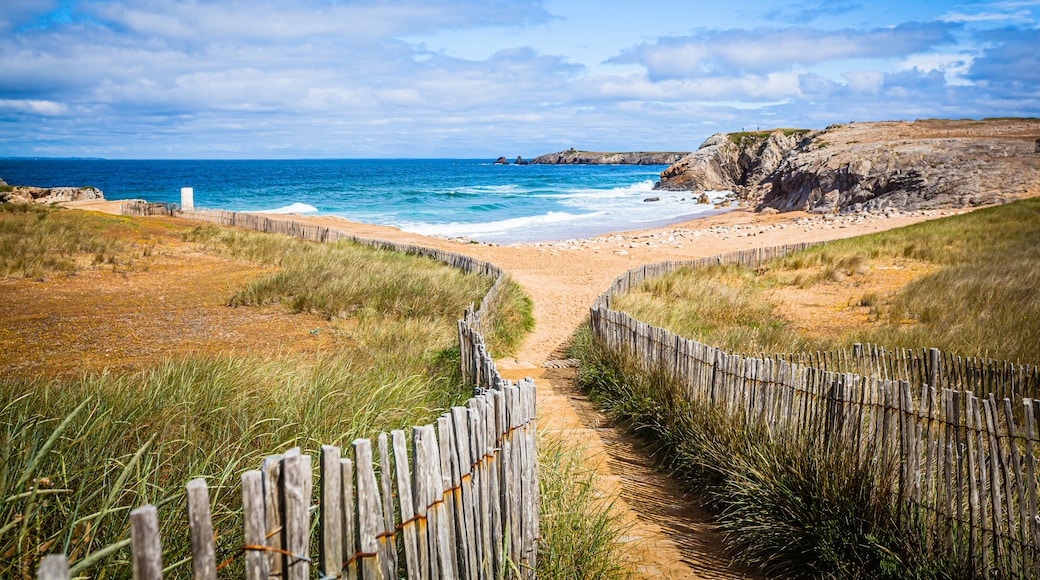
(869, 166)
(728, 160)
(574, 157)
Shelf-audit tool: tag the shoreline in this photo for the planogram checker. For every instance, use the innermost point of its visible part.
(716, 224)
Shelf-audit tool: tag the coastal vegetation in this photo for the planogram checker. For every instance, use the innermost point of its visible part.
(36, 240)
(79, 452)
(964, 284)
(749, 137)
(581, 535)
(789, 506)
(792, 506)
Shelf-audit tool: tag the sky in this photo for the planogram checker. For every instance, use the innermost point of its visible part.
(287, 79)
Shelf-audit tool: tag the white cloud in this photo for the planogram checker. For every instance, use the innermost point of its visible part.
(762, 50)
(1021, 15)
(865, 81)
(45, 108)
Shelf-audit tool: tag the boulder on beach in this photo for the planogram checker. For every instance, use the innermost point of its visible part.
(46, 195)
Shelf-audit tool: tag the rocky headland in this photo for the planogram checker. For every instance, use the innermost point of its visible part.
(575, 157)
(46, 195)
(926, 164)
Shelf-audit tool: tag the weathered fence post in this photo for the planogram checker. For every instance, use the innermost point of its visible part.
(388, 543)
(144, 543)
(933, 367)
(297, 486)
(203, 556)
(53, 567)
(330, 524)
(273, 522)
(406, 502)
(369, 512)
(255, 536)
(350, 543)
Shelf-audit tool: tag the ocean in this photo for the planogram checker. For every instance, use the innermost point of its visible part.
(467, 198)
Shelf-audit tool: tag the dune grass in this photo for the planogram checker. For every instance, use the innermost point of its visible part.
(36, 241)
(343, 279)
(511, 321)
(77, 455)
(580, 533)
(132, 439)
(791, 506)
(979, 300)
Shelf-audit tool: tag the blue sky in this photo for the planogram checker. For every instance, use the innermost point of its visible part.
(477, 78)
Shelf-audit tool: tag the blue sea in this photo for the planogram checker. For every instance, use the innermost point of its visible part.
(469, 198)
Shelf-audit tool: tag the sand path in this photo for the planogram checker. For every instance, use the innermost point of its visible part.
(672, 536)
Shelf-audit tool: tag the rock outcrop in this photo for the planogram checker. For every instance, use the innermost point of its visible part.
(575, 157)
(26, 194)
(869, 166)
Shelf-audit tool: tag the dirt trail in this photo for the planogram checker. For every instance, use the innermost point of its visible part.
(672, 536)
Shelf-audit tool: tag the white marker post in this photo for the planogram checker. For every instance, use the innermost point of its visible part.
(187, 198)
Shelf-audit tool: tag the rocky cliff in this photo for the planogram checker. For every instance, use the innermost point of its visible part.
(26, 194)
(869, 166)
(575, 157)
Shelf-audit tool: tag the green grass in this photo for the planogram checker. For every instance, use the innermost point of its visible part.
(139, 438)
(511, 321)
(580, 536)
(344, 279)
(979, 300)
(77, 455)
(747, 137)
(791, 506)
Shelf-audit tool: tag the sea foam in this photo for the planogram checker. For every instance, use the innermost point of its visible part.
(292, 208)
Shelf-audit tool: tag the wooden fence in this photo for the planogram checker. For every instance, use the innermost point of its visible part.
(925, 366)
(963, 468)
(459, 499)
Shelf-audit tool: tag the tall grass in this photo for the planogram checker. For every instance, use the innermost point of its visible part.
(580, 534)
(36, 240)
(511, 321)
(77, 455)
(345, 278)
(131, 439)
(979, 300)
(792, 506)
